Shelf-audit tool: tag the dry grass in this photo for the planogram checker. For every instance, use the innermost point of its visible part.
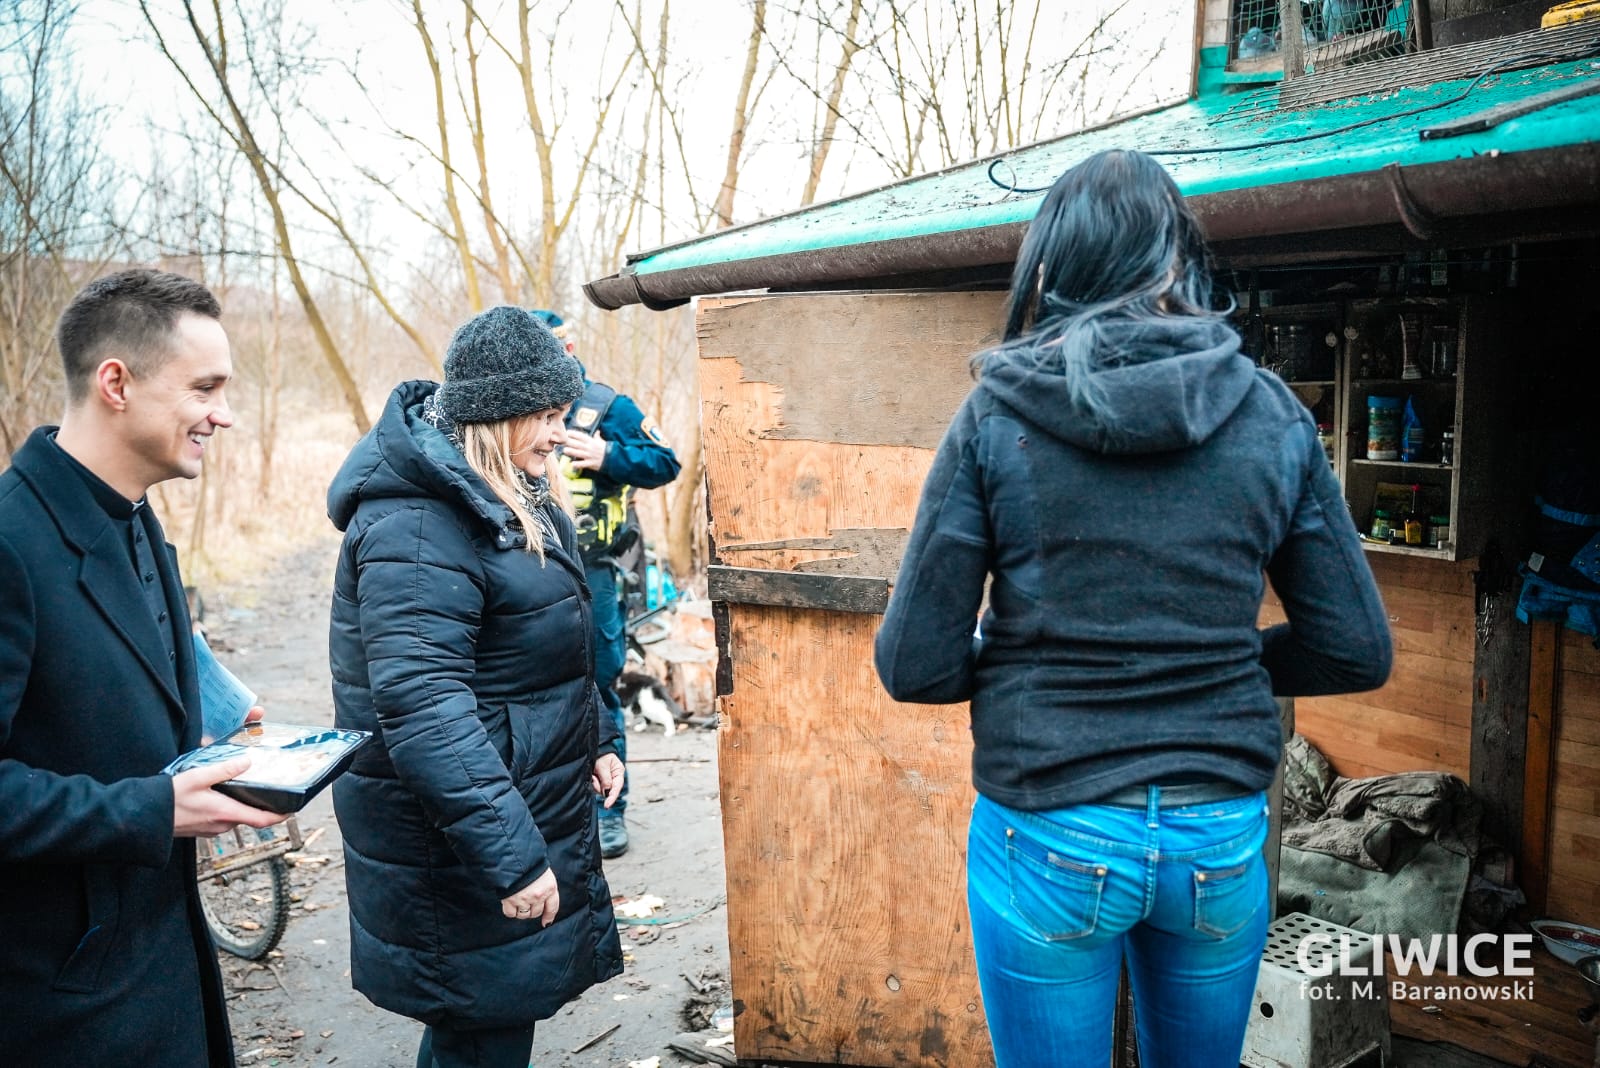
(247, 526)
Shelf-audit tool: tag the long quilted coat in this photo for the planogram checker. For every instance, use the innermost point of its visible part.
(472, 663)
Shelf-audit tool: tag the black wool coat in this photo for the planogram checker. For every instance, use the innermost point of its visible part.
(104, 953)
(472, 662)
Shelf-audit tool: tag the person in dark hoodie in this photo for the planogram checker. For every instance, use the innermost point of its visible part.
(460, 637)
(1124, 478)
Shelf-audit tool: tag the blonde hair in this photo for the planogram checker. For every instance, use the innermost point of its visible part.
(488, 451)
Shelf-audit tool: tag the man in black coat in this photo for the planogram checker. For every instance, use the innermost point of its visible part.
(104, 954)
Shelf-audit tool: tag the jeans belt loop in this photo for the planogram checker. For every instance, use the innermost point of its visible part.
(1197, 793)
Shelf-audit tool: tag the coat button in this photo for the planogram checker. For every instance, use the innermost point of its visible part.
(149, 576)
(172, 657)
(162, 618)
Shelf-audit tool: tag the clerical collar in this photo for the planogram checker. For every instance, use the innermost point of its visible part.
(115, 504)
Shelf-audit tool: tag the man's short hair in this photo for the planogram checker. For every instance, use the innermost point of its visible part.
(133, 311)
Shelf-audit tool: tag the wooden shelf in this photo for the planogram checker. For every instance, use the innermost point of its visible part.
(1460, 403)
(1421, 466)
(1408, 550)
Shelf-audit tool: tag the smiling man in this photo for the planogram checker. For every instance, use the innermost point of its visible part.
(104, 953)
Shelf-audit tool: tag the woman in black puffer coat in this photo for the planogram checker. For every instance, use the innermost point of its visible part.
(460, 637)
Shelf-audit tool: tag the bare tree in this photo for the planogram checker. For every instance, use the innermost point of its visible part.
(57, 195)
(233, 119)
(849, 46)
(458, 227)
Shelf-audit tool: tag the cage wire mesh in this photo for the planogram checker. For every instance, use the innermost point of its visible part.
(1333, 33)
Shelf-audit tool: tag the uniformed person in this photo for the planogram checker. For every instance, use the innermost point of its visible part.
(612, 449)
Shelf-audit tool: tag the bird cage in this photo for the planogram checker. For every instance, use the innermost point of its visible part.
(1333, 33)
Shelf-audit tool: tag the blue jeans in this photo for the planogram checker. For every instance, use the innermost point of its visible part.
(445, 1047)
(1058, 899)
(610, 653)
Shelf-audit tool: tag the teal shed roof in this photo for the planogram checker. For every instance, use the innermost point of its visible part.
(1222, 150)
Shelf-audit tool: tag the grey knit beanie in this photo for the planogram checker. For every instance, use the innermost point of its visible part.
(505, 363)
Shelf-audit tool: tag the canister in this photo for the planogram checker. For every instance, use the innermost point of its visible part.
(1383, 428)
(1381, 524)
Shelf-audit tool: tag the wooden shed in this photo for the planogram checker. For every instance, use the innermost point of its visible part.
(833, 345)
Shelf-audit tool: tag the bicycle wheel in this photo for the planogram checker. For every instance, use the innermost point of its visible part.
(248, 910)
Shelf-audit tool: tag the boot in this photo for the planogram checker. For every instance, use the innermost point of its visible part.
(613, 835)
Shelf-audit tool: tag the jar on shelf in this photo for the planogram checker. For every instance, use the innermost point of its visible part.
(1382, 524)
(1447, 448)
(1383, 428)
(1439, 531)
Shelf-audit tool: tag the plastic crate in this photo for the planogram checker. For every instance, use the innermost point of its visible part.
(1299, 1020)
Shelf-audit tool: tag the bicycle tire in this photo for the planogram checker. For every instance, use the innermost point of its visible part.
(248, 910)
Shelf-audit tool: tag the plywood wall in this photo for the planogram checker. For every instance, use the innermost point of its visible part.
(1422, 718)
(1575, 815)
(844, 813)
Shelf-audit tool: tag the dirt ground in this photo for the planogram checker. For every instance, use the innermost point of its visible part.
(297, 1008)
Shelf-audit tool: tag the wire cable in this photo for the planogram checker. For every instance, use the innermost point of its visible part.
(1503, 65)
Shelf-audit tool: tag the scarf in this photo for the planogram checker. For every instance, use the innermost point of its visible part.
(532, 493)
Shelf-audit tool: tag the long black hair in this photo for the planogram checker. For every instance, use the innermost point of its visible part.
(1113, 242)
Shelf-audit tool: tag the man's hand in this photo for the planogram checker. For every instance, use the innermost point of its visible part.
(539, 900)
(586, 451)
(607, 778)
(197, 809)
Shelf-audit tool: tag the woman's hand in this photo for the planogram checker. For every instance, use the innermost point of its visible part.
(607, 778)
(539, 900)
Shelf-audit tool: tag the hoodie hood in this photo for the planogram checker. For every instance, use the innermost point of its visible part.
(1189, 379)
(402, 456)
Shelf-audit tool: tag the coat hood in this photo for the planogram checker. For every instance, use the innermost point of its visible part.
(1189, 378)
(403, 455)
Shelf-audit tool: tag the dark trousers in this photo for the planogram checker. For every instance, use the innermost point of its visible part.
(610, 653)
(445, 1047)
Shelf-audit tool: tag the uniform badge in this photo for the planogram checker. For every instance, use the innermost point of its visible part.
(653, 432)
(585, 418)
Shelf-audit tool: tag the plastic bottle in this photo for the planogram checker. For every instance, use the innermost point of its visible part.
(1411, 436)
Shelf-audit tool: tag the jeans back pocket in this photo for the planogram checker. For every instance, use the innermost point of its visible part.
(1227, 898)
(1058, 896)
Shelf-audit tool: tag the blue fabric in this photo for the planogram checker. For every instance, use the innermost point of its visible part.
(1126, 547)
(633, 456)
(1060, 898)
(610, 653)
(444, 1047)
(1577, 610)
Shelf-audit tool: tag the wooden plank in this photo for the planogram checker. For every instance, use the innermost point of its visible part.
(845, 824)
(1502, 724)
(1512, 1031)
(1487, 25)
(858, 368)
(1419, 574)
(1377, 741)
(833, 593)
(765, 489)
(844, 814)
(1574, 897)
(875, 552)
(1533, 856)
